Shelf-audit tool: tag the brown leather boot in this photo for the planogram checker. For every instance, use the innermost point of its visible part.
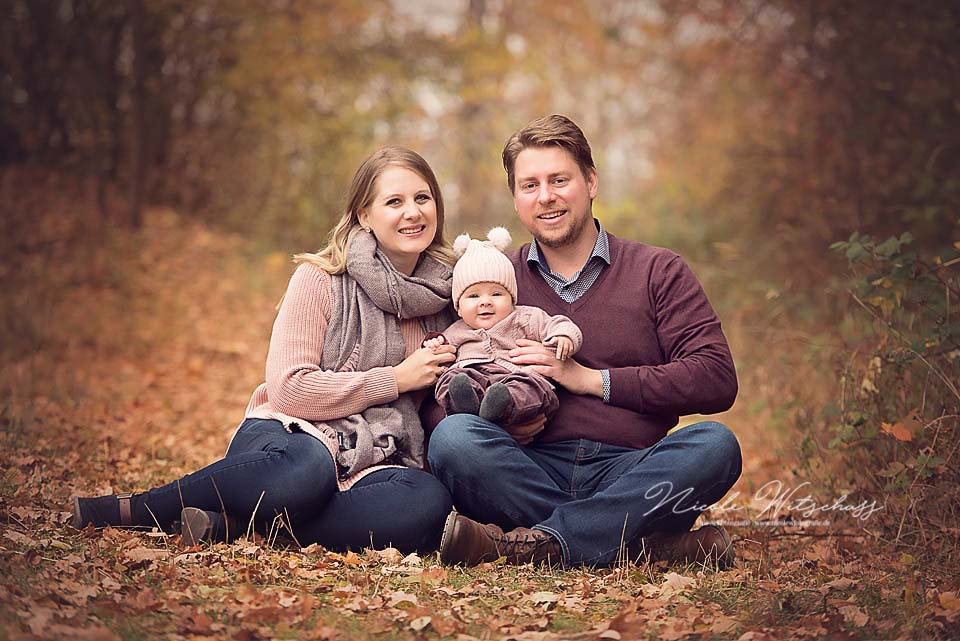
(470, 543)
(708, 545)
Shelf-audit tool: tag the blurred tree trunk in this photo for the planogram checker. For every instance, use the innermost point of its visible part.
(138, 156)
(473, 197)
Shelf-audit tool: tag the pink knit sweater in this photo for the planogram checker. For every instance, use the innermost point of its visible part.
(296, 389)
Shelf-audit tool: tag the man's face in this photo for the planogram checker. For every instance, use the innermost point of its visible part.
(552, 196)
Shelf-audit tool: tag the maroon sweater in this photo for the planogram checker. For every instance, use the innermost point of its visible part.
(647, 320)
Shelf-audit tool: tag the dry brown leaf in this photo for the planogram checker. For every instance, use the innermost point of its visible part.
(674, 583)
(420, 623)
(854, 615)
(445, 625)
(722, 624)
(897, 430)
(264, 614)
(543, 597)
(394, 599)
(840, 584)
(38, 618)
(142, 554)
(433, 576)
(629, 624)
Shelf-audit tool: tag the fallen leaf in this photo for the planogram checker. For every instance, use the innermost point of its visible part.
(445, 625)
(854, 615)
(397, 598)
(264, 614)
(897, 430)
(543, 597)
(723, 624)
(433, 576)
(674, 583)
(420, 623)
(949, 601)
(390, 556)
(141, 554)
(38, 619)
(246, 593)
(18, 538)
(629, 624)
(840, 583)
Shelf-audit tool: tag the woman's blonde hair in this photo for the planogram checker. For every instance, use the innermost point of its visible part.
(333, 258)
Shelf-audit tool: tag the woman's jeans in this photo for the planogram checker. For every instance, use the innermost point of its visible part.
(274, 472)
(592, 497)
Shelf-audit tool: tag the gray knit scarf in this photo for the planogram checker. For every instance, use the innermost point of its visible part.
(369, 301)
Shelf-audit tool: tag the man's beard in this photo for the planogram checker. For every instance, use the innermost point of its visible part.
(567, 237)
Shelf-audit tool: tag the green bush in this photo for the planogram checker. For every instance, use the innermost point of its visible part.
(896, 429)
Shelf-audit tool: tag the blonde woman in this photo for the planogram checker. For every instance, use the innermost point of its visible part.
(332, 440)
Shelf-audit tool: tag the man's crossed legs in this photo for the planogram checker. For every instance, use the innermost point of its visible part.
(591, 499)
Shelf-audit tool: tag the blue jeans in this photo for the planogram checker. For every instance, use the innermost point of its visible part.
(294, 474)
(589, 495)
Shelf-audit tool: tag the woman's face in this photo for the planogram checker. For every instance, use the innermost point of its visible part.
(402, 216)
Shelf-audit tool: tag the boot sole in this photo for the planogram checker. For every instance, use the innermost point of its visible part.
(77, 520)
(448, 526)
(195, 526)
(725, 557)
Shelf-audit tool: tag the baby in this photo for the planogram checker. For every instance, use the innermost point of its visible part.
(483, 380)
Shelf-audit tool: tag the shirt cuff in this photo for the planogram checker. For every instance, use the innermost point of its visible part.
(605, 374)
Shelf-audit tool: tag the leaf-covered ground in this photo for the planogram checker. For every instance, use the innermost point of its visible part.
(129, 361)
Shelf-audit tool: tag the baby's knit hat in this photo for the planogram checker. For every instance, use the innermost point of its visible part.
(483, 262)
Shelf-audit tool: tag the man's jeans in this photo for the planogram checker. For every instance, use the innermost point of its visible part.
(591, 496)
(272, 471)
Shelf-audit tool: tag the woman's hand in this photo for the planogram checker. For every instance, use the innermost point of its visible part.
(421, 369)
(574, 377)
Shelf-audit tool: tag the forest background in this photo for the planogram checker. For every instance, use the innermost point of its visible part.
(161, 160)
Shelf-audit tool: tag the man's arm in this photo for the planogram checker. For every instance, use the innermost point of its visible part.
(699, 375)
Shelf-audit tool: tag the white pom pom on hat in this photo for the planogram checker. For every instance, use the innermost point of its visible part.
(500, 238)
(483, 262)
(460, 244)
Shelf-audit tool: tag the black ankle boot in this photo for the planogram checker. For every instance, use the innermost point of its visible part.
(114, 510)
(202, 526)
(463, 398)
(495, 402)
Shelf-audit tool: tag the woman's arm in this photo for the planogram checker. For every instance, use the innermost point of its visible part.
(295, 383)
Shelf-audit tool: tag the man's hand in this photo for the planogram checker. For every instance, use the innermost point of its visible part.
(574, 377)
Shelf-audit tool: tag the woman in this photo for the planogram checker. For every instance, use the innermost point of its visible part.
(332, 441)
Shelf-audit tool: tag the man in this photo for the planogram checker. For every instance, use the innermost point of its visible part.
(603, 479)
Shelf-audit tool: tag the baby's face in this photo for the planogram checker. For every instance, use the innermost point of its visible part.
(483, 305)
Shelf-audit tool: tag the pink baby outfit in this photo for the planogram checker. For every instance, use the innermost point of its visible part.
(482, 356)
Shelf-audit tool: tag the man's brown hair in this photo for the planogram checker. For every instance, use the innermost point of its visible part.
(549, 131)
